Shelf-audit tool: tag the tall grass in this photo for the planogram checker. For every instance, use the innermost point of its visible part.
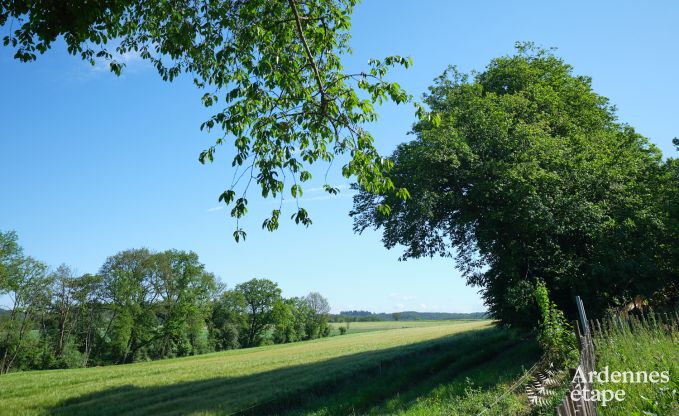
(648, 343)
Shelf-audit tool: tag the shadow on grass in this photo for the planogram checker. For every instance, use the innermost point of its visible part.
(351, 382)
(485, 365)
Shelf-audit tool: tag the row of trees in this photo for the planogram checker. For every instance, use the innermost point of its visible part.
(254, 313)
(142, 305)
(366, 316)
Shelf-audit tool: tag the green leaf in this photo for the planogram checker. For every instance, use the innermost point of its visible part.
(227, 196)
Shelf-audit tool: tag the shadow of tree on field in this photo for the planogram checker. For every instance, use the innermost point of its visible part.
(376, 375)
(483, 365)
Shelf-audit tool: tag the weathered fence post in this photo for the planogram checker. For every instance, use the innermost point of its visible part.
(587, 364)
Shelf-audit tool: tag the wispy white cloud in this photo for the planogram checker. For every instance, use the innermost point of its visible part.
(213, 209)
(132, 60)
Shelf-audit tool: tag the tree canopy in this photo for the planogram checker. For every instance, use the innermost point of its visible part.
(260, 297)
(10, 258)
(529, 175)
(287, 101)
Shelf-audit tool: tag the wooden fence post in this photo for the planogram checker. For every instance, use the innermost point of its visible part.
(583, 333)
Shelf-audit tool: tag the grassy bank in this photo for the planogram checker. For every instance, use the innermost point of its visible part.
(646, 344)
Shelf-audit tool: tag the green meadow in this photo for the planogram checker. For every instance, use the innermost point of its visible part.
(358, 327)
(384, 370)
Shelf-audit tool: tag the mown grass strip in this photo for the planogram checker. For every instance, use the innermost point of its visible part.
(363, 389)
(470, 391)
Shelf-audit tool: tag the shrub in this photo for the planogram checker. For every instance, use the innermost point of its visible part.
(556, 336)
(71, 356)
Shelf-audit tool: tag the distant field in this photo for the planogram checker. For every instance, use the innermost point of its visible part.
(227, 382)
(358, 327)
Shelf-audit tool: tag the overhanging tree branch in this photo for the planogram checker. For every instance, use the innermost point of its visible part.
(312, 62)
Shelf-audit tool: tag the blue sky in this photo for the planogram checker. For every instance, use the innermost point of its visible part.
(92, 164)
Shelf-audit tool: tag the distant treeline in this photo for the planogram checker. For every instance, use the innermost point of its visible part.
(366, 316)
(141, 305)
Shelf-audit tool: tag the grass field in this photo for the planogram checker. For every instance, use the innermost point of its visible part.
(380, 371)
(358, 327)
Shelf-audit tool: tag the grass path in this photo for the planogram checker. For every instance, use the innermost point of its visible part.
(219, 383)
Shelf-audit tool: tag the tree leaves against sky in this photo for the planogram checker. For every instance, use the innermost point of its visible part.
(272, 68)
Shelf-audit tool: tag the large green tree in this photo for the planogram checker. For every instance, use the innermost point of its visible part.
(11, 256)
(185, 291)
(89, 312)
(64, 306)
(129, 294)
(528, 174)
(228, 320)
(260, 297)
(317, 322)
(288, 102)
(28, 288)
(157, 304)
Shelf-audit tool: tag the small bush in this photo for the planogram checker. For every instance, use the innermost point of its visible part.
(342, 330)
(556, 336)
(72, 357)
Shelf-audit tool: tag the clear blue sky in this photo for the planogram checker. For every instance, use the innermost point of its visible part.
(91, 164)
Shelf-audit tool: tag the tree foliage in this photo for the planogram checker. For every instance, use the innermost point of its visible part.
(319, 312)
(29, 291)
(261, 297)
(526, 174)
(10, 258)
(287, 101)
(228, 320)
